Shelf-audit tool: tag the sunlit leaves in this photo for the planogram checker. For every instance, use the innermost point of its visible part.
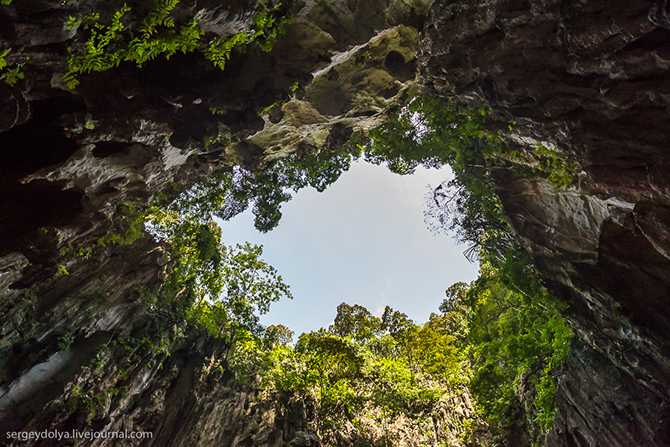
(358, 375)
(234, 283)
(433, 133)
(265, 29)
(158, 34)
(278, 335)
(356, 322)
(250, 284)
(518, 339)
(230, 193)
(218, 52)
(501, 334)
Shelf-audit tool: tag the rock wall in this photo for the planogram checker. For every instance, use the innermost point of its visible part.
(589, 78)
(81, 346)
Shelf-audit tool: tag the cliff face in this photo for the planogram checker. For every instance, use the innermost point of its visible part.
(590, 79)
(81, 347)
(125, 133)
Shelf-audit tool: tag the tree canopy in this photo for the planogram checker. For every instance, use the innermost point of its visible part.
(363, 374)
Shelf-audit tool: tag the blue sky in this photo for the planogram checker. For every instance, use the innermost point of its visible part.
(362, 241)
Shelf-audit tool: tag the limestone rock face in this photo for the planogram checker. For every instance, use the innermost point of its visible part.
(590, 77)
(587, 77)
(124, 133)
(80, 345)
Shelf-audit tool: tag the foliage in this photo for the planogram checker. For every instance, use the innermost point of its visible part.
(220, 287)
(268, 189)
(278, 104)
(355, 322)
(9, 75)
(508, 323)
(265, 29)
(433, 349)
(62, 271)
(65, 341)
(229, 193)
(518, 338)
(3, 62)
(135, 230)
(332, 365)
(108, 46)
(79, 398)
(80, 124)
(501, 336)
(432, 133)
(158, 33)
(358, 376)
(278, 335)
(555, 167)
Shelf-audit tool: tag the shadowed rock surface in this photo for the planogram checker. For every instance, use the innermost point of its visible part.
(591, 79)
(80, 348)
(587, 77)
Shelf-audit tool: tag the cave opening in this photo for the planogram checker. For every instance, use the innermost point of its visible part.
(364, 241)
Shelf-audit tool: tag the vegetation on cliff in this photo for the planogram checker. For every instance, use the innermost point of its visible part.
(105, 46)
(365, 378)
(371, 380)
(517, 337)
(501, 337)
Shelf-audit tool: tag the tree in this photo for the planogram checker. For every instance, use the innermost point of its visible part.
(395, 322)
(433, 133)
(229, 193)
(517, 336)
(358, 382)
(333, 366)
(250, 284)
(356, 322)
(221, 287)
(278, 334)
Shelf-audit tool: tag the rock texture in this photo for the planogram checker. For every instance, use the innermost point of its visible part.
(78, 342)
(80, 345)
(590, 78)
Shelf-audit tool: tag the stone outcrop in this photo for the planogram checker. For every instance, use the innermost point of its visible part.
(81, 345)
(591, 79)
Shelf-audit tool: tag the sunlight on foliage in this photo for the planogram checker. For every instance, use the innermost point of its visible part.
(228, 194)
(223, 287)
(518, 340)
(108, 45)
(500, 339)
(362, 382)
(510, 326)
(431, 133)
